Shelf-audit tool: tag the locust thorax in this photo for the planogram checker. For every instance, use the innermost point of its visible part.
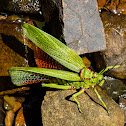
(91, 77)
(88, 74)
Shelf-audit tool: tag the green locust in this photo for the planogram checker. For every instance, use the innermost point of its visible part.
(76, 77)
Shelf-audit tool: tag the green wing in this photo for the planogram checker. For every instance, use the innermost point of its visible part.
(20, 75)
(53, 47)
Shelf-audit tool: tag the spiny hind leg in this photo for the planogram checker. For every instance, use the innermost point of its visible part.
(74, 97)
(110, 67)
(99, 97)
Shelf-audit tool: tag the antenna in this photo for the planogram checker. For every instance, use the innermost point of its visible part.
(114, 67)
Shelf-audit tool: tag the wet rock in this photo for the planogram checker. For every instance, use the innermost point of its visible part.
(114, 6)
(9, 102)
(122, 103)
(115, 53)
(114, 88)
(58, 111)
(101, 4)
(15, 50)
(77, 22)
(122, 7)
(12, 18)
(2, 17)
(14, 111)
(18, 6)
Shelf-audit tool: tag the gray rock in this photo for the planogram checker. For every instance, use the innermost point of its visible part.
(83, 30)
(78, 22)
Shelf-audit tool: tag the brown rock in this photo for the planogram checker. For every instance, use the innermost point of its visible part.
(86, 61)
(9, 118)
(14, 51)
(17, 106)
(2, 17)
(57, 111)
(115, 53)
(122, 103)
(101, 3)
(9, 102)
(114, 6)
(12, 18)
(122, 7)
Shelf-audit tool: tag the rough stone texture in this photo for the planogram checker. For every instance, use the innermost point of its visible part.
(77, 21)
(83, 30)
(115, 53)
(57, 111)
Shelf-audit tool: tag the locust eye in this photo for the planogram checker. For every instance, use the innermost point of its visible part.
(100, 80)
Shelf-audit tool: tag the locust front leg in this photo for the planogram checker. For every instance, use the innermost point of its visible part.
(99, 97)
(111, 67)
(74, 97)
(52, 85)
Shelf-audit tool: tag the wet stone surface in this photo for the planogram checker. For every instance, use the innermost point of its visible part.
(18, 6)
(114, 88)
(55, 109)
(115, 53)
(14, 51)
(122, 104)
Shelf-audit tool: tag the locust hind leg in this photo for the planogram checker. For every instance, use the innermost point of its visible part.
(99, 97)
(74, 97)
